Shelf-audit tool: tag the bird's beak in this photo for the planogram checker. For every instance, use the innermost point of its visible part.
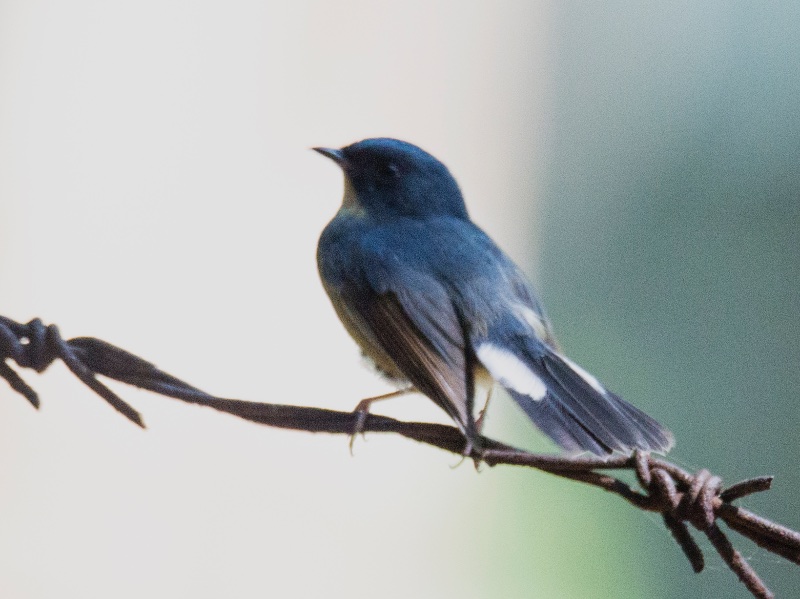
(336, 155)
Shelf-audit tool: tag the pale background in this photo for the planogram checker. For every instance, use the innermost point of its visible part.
(156, 190)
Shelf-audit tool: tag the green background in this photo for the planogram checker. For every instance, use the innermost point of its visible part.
(671, 250)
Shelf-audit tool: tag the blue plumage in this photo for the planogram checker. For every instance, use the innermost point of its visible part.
(433, 302)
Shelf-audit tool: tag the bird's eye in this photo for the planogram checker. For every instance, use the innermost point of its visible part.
(389, 170)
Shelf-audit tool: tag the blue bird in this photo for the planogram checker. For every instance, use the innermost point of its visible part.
(438, 308)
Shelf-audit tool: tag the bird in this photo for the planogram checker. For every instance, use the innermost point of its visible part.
(438, 308)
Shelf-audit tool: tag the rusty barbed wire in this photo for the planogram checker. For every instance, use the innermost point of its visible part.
(682, 498)
(35, 346)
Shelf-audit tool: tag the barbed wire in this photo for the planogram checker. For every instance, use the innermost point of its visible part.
(682, 498)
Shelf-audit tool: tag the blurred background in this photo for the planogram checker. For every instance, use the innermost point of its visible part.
(156, 190)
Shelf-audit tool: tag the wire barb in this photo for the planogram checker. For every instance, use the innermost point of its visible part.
(36, 346)
(681, 498)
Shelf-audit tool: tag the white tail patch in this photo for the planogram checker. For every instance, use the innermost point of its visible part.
(586, 376)
(511, 372)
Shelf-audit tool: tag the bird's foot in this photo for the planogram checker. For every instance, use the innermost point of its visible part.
(361, 412)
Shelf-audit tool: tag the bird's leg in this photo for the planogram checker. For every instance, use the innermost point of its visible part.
(362, 411)
(482, 414)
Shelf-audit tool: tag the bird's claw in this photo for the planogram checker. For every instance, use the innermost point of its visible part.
(361, 412)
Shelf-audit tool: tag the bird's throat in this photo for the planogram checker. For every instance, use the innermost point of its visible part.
(350, 203)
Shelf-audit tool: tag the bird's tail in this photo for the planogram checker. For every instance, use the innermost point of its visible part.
(572, 407)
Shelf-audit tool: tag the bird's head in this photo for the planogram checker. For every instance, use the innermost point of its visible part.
(388, 178)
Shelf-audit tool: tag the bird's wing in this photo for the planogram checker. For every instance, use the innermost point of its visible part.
(411, 318)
